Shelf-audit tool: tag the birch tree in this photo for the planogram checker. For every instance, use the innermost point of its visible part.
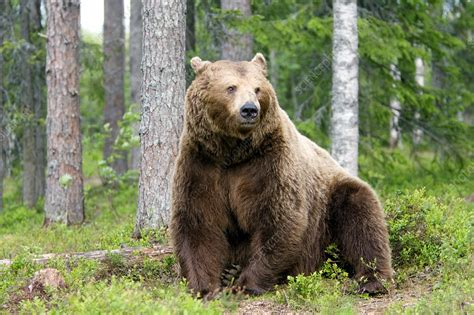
(235, 45)
(395, 108)
(64, 182)
(345, 86)
(420, 81)
(114, 69)
(163, 90)
(136, 24)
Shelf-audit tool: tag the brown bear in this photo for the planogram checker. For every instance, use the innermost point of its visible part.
(250, 190)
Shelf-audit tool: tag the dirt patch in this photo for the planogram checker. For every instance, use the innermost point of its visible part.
(263, 307)
(408, 295)
(469, 198)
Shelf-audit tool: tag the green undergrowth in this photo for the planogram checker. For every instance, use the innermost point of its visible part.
(431, 235)
(147, 287)
(21, 229)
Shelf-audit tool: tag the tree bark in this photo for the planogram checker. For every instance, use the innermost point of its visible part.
(136, 25)
(190, 25)
(163, 90)
(39, 99)
(27, 106)
(273, 73)
(64, 184)
(420, 81)
(114, 69)
(32, 105)
(345, 86)
(3, 132)
(235, 45)
(395, 107)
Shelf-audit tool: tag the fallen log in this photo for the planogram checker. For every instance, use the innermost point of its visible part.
(155, 252)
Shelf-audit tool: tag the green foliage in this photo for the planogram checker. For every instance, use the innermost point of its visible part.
(92, 81)
(119, 296)
(322, 291)
(426, 232)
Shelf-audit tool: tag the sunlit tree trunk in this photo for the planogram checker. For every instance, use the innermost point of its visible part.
(273, 73)
(420, 81)
(345, 86)
(235, 45)
(114, 69)
(3, 132)
(64, 183)
(163, 90)
(136, 25)
(395, 107)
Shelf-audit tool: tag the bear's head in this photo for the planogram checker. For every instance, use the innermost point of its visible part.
(230, 98)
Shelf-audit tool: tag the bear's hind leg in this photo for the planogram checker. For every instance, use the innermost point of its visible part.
(359, 229)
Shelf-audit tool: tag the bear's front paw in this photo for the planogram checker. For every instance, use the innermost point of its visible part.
(248, 285)
(206, 294)
(372, 287)
(230, 275)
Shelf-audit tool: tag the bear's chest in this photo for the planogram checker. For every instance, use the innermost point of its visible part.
(246, 196)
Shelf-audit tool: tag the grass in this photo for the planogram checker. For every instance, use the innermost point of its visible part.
(431, 234)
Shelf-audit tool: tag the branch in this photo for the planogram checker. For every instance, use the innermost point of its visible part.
(155, 252)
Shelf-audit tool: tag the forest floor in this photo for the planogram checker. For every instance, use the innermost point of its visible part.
(431, 234)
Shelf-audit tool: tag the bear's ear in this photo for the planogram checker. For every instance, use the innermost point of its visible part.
(261, 62)
(198, 65)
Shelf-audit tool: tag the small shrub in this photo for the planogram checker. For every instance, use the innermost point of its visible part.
(322, 291)
(425, 231)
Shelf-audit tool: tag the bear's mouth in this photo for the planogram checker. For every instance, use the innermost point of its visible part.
(248, 124)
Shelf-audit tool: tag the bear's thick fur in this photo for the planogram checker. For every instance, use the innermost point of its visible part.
(250, 190)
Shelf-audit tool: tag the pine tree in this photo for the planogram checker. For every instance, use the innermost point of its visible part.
(3, 132)
(114, 71)
(163, 90)
(136, 25)
(64, 184)
(235, 45)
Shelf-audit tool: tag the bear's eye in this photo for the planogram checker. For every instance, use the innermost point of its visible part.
(231, 89)
(257, 90)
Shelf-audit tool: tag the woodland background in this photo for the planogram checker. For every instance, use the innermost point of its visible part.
(415, 122)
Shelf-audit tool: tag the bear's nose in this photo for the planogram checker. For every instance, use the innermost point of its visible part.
(249, 110)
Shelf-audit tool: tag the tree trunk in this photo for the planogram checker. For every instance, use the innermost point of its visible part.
(163, 90)
(273, 73)
(190, 25)
(136, 25)
(40, 129)
(39, 100)
(345, 86)
(3, 132)
(64, 184)
(235, 45)
(420, 81)
(395, 107)
(114, 69)
(32, 104)
(27, 106)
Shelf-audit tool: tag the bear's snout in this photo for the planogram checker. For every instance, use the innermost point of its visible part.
(249, 112)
